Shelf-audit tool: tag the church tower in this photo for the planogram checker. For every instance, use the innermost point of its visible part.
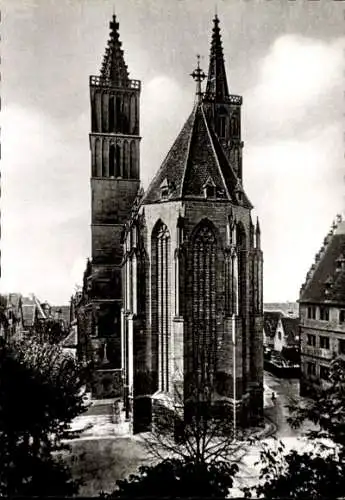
(193, 269)
(115, 146)
(223, 109)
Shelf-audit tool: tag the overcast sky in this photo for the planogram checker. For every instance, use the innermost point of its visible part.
(285, 57)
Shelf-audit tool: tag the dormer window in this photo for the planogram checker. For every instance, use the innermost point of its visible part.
(340, 262)
(164, 189)
(209, 189)
(164, 192)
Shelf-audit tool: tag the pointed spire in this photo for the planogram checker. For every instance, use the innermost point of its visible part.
(258, 230)
(113, 67)
(217, 86)
(258, 234)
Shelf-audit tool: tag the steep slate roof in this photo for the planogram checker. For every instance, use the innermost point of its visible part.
(195, 157)
(28, 308)
(291, 330)
(327, 283)
(271, 319)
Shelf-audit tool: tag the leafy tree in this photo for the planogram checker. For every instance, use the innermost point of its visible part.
(175, 478)
(316, 474)
(40, 393)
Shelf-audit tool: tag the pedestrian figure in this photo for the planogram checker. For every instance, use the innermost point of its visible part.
(116, 412)
(273, 397)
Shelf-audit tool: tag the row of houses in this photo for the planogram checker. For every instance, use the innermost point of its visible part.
(281, 330)
(24, 316)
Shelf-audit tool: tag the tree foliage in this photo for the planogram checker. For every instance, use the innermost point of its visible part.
(175, 478)
(40, 393)
(319, 473)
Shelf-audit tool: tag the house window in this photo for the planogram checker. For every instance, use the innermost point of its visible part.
(341, 346)
(311, 339)
(311, 369)
(342, 316)
(311, 312)
(324, 313)
(324, 372)
(324, 342)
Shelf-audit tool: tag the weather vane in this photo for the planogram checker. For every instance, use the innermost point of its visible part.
(198, 76)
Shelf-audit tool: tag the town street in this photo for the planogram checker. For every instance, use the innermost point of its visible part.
(100, 432)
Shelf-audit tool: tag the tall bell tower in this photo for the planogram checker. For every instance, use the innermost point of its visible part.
(115, 148)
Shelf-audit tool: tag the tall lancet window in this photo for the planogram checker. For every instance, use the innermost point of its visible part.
(204, 254)
(111, 114)
(242, 268)
(111, 160)
(161, 292)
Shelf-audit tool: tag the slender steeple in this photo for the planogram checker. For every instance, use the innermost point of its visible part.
(114, 68)
(217, 86)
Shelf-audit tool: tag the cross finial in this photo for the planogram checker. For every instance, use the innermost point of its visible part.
(198, 76)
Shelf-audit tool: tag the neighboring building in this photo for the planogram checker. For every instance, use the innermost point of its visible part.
(271, 319)
(27, 316)
(287, 308)
(322, 309)
(190, 303)
(287, 334)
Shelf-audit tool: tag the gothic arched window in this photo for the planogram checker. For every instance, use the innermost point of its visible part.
(118, 160)
(204, 254)
(97, 166)
(132, 161)
(104, 158)
(111, 114)
(111, 161)
(161, 300)
(133, 114)
(118, 117)
(222, 126)
(126, 160)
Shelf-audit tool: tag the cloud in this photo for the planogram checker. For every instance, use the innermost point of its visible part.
(299, 83)
(297, 187)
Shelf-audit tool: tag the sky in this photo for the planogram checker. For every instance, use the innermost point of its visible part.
(286, 58)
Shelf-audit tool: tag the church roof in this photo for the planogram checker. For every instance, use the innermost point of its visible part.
(326, 281)
(195, 160)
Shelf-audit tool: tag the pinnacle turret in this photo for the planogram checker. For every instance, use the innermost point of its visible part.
(217, 86)
(113, 67)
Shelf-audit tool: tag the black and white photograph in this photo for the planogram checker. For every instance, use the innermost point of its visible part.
(172, 249)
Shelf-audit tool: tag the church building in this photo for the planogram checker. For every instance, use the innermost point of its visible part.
(174, 287)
